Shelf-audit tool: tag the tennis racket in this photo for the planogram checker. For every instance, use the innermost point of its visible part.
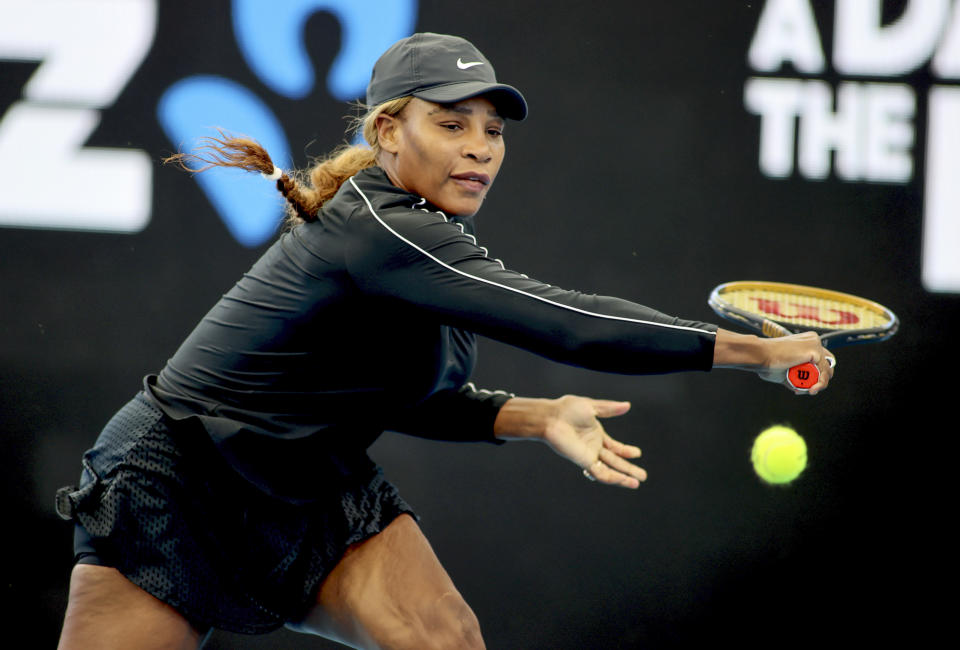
(778, 309)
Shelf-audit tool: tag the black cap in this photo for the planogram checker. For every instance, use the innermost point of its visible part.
(443, 69)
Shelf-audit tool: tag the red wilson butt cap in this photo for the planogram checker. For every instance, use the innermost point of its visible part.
(803, 376)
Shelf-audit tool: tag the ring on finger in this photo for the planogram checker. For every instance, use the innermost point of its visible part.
(586, 472)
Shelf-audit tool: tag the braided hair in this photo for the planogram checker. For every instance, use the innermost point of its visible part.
(305, 191)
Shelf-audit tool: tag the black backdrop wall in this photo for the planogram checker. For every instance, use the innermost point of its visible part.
(640, 174)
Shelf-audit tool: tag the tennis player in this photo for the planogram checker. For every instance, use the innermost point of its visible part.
(234, 491)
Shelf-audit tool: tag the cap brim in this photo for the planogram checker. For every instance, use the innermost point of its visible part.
(507, 99)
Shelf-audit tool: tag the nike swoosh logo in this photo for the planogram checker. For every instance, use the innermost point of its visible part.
(465, 66)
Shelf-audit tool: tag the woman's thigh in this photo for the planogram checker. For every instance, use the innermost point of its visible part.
(105, 610)
(390, 591)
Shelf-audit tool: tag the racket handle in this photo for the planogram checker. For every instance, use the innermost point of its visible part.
(805, 375)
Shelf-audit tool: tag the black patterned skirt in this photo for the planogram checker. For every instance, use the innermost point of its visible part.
(158, 502)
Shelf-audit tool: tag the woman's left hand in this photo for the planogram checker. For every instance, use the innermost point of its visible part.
(570, 425)
(575, 432)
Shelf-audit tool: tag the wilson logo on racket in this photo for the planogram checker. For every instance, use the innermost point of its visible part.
(806, 312)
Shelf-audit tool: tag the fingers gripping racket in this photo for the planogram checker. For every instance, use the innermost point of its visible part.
(778, 309)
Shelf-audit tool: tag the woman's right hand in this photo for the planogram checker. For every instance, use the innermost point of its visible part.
(772, 358)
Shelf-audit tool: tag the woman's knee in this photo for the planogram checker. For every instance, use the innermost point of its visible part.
(418, 622)
(451, 623)
(445, 622)
(390, 591)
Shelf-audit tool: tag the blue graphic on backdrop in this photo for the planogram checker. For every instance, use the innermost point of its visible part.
(270, 36)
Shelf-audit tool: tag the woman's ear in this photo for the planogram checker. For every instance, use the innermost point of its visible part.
(388, 133)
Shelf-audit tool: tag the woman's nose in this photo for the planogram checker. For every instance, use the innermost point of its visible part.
(477, 147)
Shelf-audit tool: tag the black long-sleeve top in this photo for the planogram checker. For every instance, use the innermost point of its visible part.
(365, 320)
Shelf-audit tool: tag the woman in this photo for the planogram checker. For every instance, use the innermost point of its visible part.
(235, 492)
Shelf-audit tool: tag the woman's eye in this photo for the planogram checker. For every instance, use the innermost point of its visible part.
(496, 133)
(451, 127)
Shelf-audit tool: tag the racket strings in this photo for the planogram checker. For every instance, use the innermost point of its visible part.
(816, 312)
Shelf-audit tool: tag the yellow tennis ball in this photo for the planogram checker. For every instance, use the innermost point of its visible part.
(779, 454)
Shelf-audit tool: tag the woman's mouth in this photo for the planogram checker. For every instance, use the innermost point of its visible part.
(472, 181)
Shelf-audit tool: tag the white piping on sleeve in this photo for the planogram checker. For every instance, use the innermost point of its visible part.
(519, 291)
(473, 387)
(486, 253)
